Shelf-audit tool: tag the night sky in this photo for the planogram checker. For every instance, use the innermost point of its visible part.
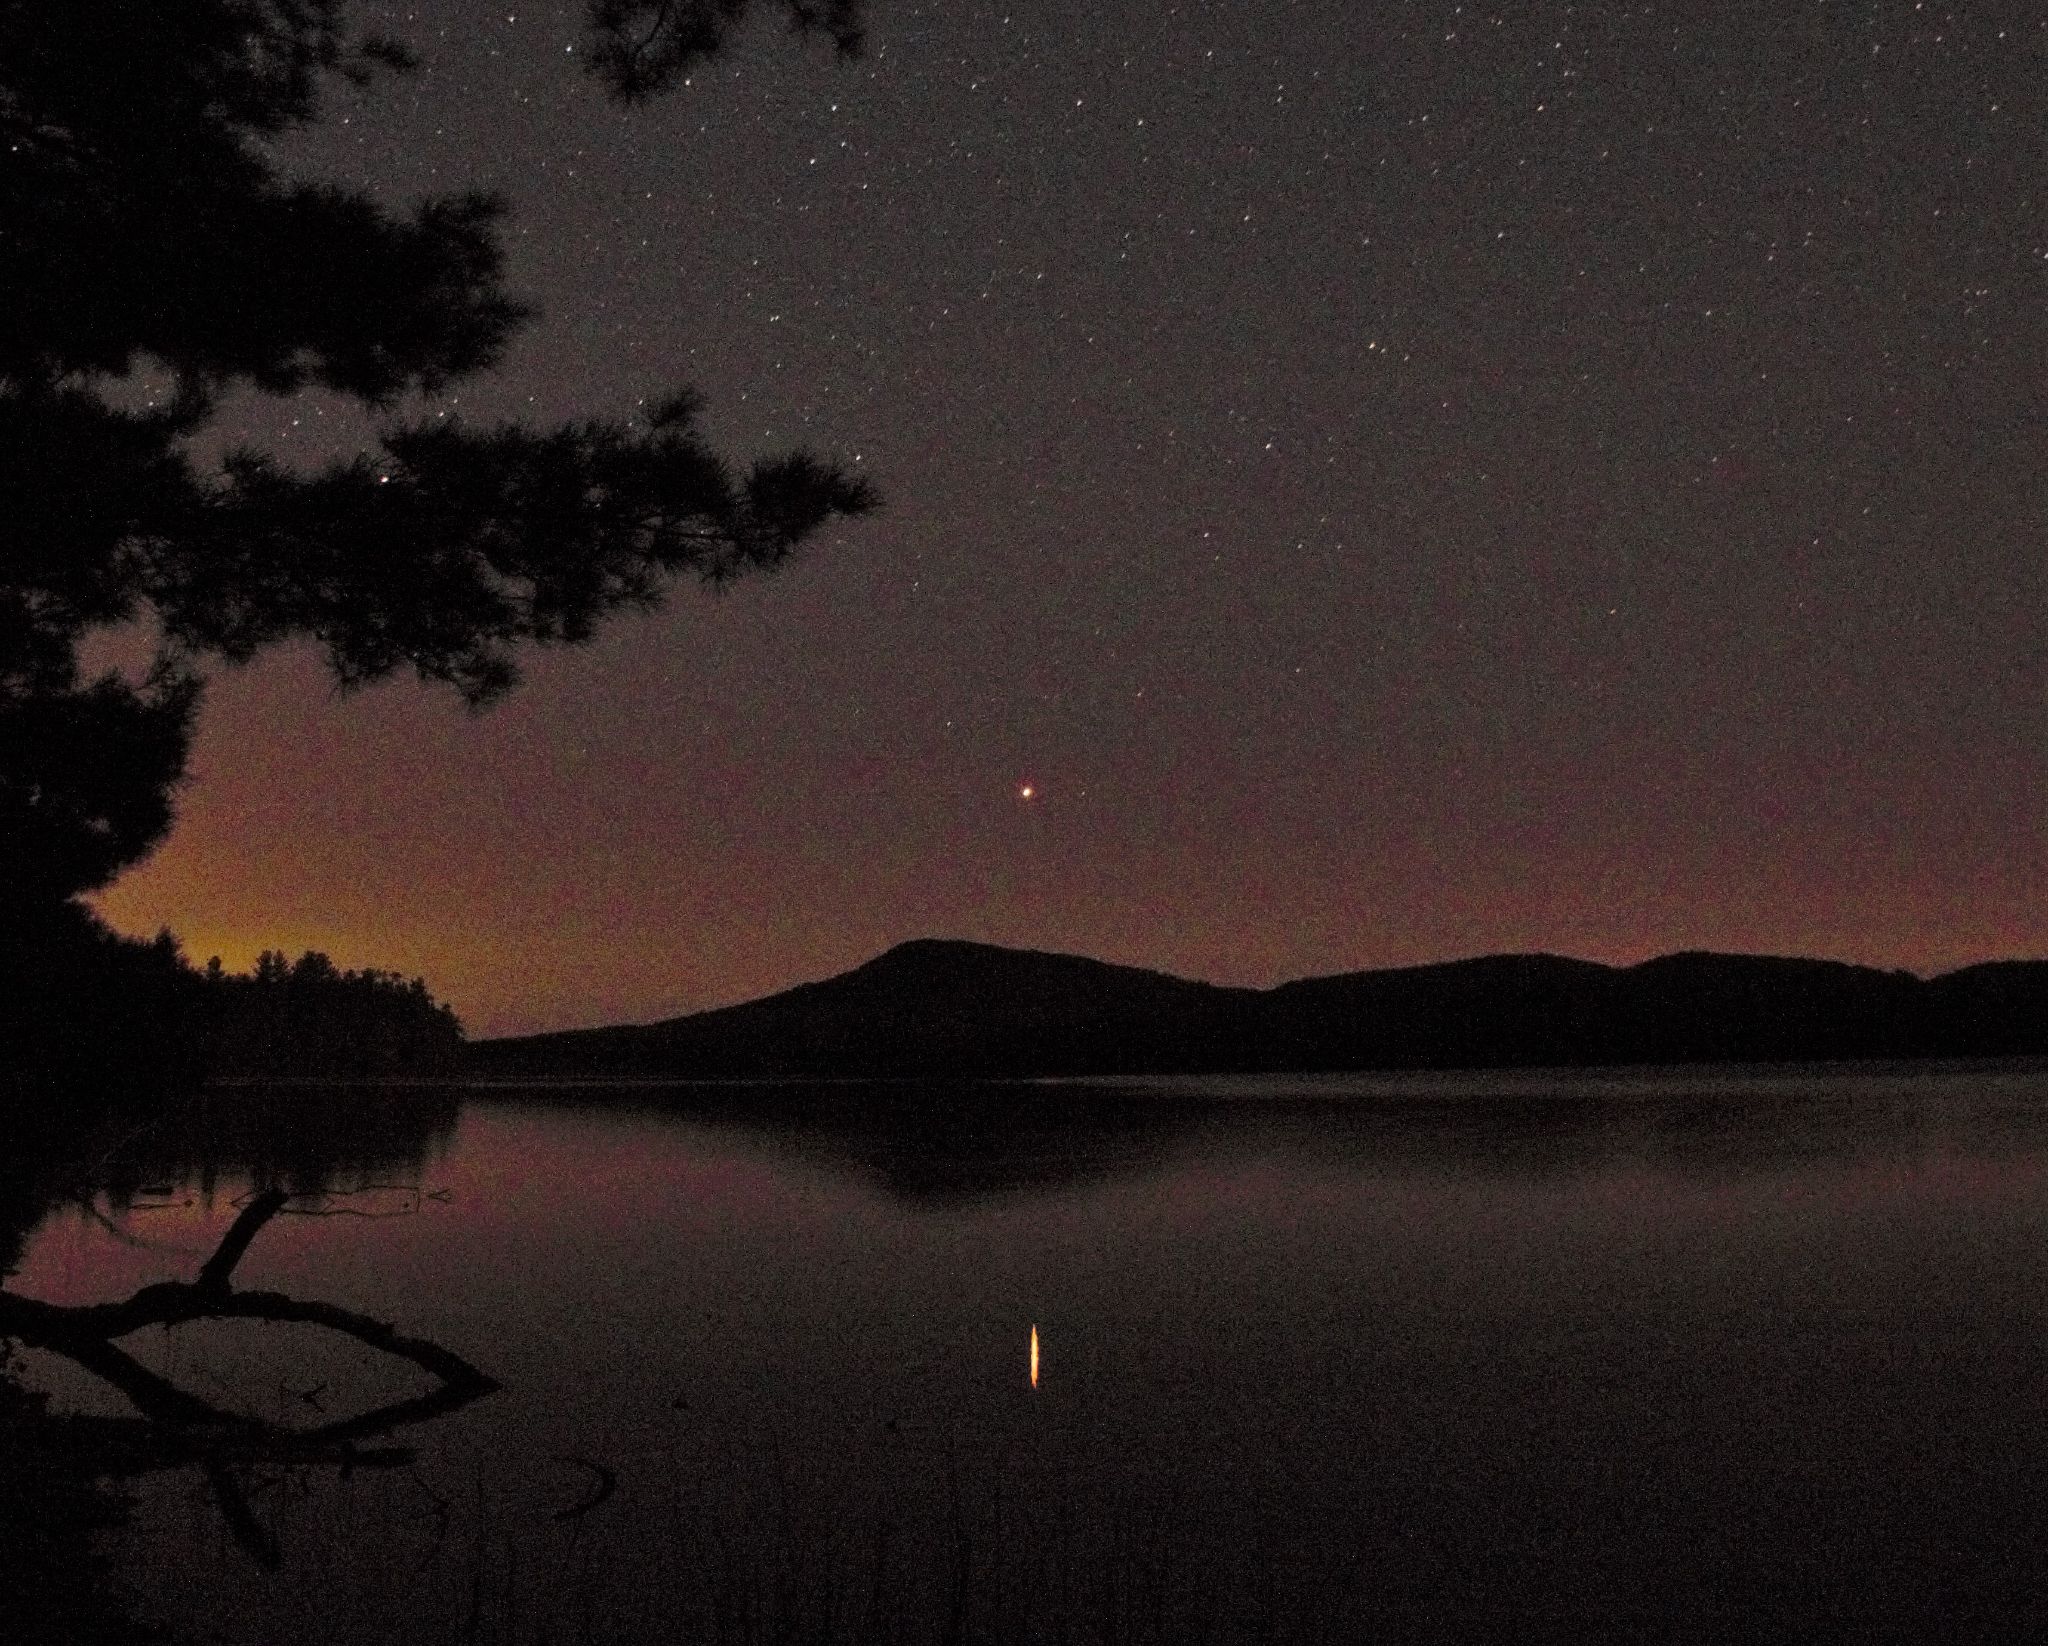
(1397, 481)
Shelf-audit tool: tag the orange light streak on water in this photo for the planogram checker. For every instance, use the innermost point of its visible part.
(1034, 1355)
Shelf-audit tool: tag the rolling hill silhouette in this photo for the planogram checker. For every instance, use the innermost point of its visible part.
(929, 1006)
(937, 1007)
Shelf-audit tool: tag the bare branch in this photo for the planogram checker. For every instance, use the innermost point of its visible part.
(255, 1538)
(176, 1427)
(221, 1266)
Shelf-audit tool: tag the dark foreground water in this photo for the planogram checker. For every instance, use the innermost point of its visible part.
(1685, 1355)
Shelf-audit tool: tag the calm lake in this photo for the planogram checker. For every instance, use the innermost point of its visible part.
(1613, 1355)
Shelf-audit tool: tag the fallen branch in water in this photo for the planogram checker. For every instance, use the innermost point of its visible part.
(176, 1427)
(327, 1197)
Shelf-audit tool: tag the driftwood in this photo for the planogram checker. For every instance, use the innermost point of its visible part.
(176, 1428)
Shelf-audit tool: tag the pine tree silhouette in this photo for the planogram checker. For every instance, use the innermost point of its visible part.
(146, 237)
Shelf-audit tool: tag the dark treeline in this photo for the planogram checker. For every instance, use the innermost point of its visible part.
(308, 1016)
(87, 1008)
(86, 1011)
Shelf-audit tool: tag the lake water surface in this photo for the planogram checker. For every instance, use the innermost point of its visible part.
(1623, 1355)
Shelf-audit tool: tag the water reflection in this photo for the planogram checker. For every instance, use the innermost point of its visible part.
(931, 1143)
(310, 1139)
(175, 1428)
(1689, 1356)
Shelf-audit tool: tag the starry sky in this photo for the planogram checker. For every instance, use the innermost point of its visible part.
(1395, 481)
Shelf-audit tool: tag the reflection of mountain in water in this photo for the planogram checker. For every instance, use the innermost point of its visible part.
(949, 1140)
(927, 1142)
(923, 1141)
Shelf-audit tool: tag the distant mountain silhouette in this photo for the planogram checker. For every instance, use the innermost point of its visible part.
(925, 1007)
(933, 1007)
(1534, 1009)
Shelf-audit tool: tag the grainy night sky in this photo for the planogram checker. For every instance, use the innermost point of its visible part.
(1398, 481)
